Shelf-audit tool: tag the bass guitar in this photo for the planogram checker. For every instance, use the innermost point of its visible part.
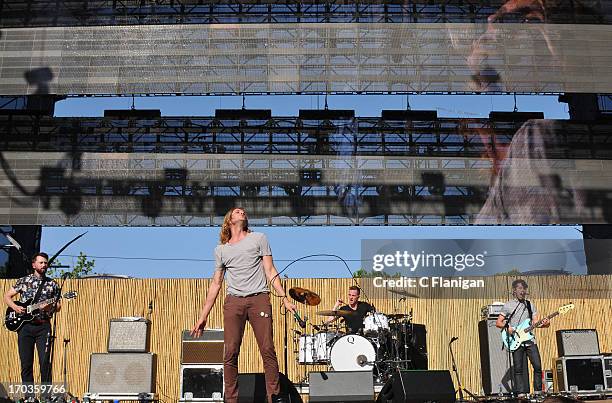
(524, 331)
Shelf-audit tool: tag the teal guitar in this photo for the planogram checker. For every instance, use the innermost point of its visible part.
(523, 332)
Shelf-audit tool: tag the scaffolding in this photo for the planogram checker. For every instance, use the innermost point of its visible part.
(37, 13)
(326, 58)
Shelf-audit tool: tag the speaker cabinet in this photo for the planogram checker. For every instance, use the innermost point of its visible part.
(202, 382)
(580, 374)
(206, 349)
(127, 335)
(577, 342)
(122, 373)
(341, 386)
(494, 361)
(418, 387)
(252, 388)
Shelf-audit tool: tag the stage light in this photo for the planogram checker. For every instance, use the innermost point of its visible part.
(503, 116)
(250, 190)
(326, 114)
(409, 114)
(434, 181)
(153, 203)
(293, 190)
(71, 201)
(243, 114)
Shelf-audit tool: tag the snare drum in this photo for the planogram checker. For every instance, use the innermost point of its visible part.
(315, 348)
(374, 323)
(352, 353)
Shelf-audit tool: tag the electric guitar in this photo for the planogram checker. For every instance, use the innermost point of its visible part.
(523, 332)
(14, 321)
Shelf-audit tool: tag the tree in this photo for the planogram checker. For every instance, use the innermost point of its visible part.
(513, 272)
(361, 273)
(82, 267)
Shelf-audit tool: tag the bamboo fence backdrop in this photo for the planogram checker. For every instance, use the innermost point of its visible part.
(177, 302)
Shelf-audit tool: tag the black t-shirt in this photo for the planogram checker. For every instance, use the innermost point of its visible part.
(28, 286)
(354, 323)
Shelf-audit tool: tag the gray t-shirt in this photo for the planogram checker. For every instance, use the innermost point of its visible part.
(243, 264)
(520, 314)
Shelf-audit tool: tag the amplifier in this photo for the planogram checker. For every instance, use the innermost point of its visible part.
(122, 373)
(129, 335)
(608, 371)
(206, 349)
(580, 374)
(202, 382)
(491, 311)
(577, 342)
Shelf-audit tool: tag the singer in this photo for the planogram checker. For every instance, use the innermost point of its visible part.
(39, 287)
(245, 259)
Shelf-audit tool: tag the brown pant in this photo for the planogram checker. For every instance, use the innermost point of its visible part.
(258, 311)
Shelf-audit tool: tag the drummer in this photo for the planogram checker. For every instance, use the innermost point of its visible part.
(354, 323)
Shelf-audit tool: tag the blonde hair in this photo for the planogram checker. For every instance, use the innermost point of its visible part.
(226, 234)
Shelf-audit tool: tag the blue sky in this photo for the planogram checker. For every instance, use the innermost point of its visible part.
(468, 106)
(188, 252)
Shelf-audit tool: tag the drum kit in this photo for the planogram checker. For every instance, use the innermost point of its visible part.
(385, 343)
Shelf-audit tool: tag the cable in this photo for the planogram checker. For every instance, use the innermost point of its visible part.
(293, 261)
(194, 259)
(315, 255)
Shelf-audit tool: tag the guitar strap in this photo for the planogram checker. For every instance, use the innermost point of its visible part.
(39, 291)
(528, 303)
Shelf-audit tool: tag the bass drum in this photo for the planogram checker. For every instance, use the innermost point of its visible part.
(352, 353)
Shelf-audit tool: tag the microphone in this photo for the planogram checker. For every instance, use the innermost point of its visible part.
(454, 338)
(13, 242)
(299, 320)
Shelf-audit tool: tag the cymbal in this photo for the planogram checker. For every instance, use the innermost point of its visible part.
(395, 316)
(336, 313)
(404, 293)
(304, 296)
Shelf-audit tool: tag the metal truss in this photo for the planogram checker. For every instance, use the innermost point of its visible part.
(156, 189)
(605, 104)
(306, 59)
(372, 173)
(292, 136)
(33, 13)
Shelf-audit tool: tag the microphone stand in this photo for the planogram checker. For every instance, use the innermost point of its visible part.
(286, 359)
(510, 363)
(65, 383)
(49, 348)
(460, 387)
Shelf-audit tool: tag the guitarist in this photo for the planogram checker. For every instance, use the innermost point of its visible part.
(513, 313)
(36, 332)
